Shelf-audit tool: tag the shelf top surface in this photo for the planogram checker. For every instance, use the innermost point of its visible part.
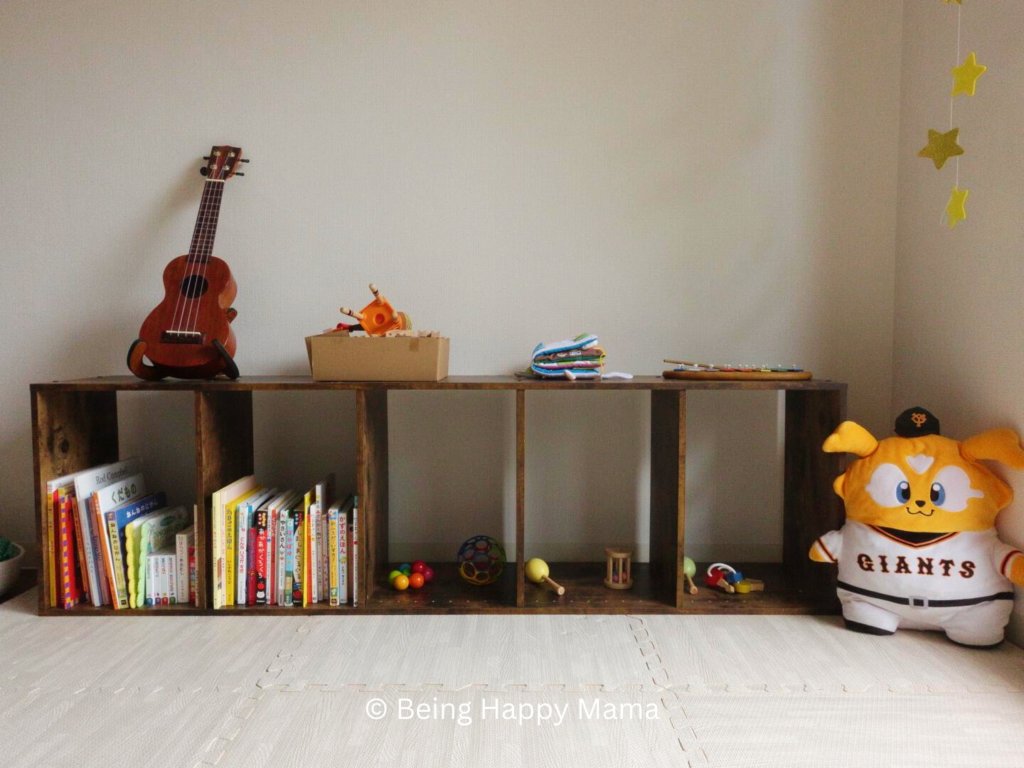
(252, 383)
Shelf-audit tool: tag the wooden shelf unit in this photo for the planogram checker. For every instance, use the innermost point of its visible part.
(74, 425)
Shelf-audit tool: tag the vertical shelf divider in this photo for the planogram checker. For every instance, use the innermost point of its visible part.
(520, 497)
(372, 485)
(72, 430)
(224, 453)
(668, 493)
(810, 505)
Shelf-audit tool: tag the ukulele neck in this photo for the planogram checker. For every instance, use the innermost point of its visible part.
(206, 222)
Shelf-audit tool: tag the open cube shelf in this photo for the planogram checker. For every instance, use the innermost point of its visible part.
(75, 427)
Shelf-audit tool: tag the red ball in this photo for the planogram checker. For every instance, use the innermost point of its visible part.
(416, 580)
(419, 566)
(428, 573)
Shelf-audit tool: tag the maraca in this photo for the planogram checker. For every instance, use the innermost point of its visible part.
(689, 571)
(537, 571)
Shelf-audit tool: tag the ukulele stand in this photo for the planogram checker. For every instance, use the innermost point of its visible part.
(156, 372)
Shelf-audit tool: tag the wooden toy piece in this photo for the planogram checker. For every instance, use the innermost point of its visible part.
(756, 585)
(428, 574)
(538, 572)
(689, 571)
(716, 577)
(416, 580)
(378, 317)
(620, 568)
(742, 587)
(400, 582)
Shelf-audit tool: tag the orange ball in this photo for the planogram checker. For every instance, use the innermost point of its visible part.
(416, 580)
(400, 582)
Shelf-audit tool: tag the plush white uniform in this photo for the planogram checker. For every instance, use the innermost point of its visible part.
(958, 566)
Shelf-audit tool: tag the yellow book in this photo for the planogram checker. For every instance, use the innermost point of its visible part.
(332, 539)
(231, 544)
(306, 570)
(218, 504)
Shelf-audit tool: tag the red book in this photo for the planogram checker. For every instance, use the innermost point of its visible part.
(66, 540)
(250, 568)
(261, 557)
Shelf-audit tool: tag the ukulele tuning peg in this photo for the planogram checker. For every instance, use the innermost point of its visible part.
(239, 174)
(245, 160)
(206, 158)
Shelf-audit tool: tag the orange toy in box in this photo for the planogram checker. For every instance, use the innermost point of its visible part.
(919, 549)
(378, 317)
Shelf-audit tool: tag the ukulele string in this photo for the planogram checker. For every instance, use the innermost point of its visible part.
(208, 245)
(195, 279)
(191, 264)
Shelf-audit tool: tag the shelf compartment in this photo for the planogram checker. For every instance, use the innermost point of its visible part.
(447, 593)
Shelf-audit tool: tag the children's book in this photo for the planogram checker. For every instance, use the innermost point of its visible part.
(332, 540)
(69, 593)
(299, 564)
(192, 575)
(218, 564)
(344, 515)
(104, 501)
(148, 534)
(86, 484)
(353, 549)
(183, 541)
(245, 513)
(115, 522)
(51, 534)
(231, 541)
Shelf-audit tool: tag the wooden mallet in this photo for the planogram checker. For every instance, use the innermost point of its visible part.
(537, 571)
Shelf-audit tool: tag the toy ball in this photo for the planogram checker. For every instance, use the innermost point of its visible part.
(392, 575)
(405, 567)
(428, 573)
(481, 560)
(689, 567)
(418, 566)
(416, 580)
(401, 582)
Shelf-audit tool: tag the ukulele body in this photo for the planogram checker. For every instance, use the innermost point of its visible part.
(188, 335)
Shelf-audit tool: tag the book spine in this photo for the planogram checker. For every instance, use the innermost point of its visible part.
(282, 543)
(332, 537)
(51, 544)
(217, 561)
(299, 573)
(242, 569)
(230, 555)
(289, 564)
(261, 558)
(67, 556)
(306, 571)
(89, 542)
(81, 545)
(117, 560)
(314, 580)
(98, 537)
(172, 579)
(272, 521)
(354, 554)
(149, 581)
(325, 576)
(181, 564)
(250, 573)
(192, 575)
(343, 558)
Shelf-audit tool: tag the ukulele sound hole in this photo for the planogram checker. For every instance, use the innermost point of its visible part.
(194, 286)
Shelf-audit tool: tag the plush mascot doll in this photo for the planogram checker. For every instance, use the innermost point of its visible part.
(919, 549)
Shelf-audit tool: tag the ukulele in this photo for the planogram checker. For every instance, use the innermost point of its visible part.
(188, 335)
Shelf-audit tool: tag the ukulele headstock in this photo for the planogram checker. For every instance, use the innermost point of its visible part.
(222, 163)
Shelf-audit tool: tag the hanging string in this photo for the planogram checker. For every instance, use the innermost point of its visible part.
(956, 63)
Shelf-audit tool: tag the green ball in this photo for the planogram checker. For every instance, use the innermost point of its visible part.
(407, 571)
(689, 567)
(391, 576)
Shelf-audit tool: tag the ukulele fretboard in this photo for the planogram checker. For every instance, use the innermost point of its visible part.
(206, 221)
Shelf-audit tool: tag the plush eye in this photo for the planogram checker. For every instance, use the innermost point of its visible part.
(903, 492)
(888, 486)
(951, 490)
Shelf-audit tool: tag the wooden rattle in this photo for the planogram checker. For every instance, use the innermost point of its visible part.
(537, 571)
(619, 568)
(689, 571)
(718, 576)
(378, 317)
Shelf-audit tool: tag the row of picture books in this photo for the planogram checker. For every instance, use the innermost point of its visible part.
(111, 542)
(276, 546)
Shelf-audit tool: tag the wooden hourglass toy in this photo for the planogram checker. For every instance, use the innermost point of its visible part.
(620, 570)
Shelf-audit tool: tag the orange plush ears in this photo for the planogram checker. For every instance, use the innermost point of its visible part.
(1002, 445)
(850, 437)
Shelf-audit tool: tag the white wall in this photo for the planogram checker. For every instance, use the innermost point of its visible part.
(708, 179)
(959, 330)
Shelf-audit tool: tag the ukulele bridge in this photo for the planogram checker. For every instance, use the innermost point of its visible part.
(183, 337)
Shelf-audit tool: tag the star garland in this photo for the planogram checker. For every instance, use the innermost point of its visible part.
(941, 145)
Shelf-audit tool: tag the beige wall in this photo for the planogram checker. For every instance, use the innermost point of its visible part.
(708, 179)
(959, 330)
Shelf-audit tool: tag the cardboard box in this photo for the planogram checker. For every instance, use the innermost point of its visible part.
(344, 357)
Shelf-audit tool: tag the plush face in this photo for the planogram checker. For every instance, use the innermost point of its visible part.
(924, 484)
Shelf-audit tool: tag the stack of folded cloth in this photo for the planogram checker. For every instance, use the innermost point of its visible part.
(579, 358)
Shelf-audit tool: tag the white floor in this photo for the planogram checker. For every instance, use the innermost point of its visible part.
(716, 691)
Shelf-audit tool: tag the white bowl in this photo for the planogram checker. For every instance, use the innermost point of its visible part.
(9, 570)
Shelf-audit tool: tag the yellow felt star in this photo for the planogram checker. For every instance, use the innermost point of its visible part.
(941, 147)
(955, 207)
(958, 2)
(965, 77)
